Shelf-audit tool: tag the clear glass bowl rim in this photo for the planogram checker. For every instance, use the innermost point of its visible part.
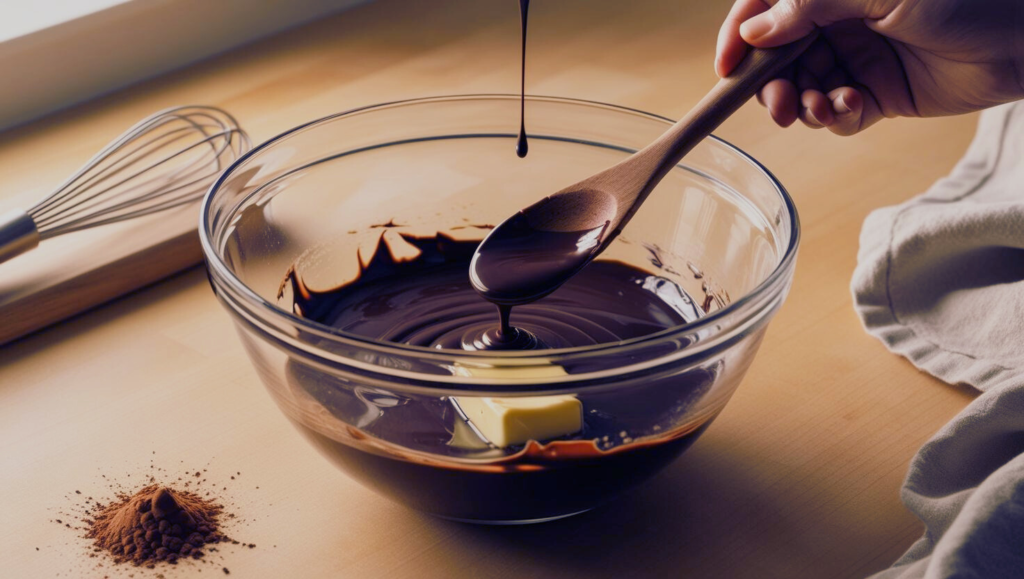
(707, 326)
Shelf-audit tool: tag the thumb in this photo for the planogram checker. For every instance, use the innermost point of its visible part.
(790, 20)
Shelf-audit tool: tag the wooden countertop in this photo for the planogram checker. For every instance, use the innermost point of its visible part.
(799, 477)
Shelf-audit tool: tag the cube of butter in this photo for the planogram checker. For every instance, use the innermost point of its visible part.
(507, 421)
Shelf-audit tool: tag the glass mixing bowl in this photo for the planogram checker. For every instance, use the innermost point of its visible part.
(719, 232)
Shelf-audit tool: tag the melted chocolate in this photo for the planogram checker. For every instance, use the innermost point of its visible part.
(528, 494)
(408, 446)
(522, 147)
(418, 448)
(429, 301)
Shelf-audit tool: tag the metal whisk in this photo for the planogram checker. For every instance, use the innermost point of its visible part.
(167, 160)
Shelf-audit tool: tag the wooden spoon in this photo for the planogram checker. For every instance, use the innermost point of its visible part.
(535, 251)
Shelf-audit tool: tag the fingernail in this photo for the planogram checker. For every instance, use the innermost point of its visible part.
(756, 27)
(841, 107)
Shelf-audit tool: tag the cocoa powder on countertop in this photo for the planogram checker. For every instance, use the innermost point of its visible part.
(156, 524)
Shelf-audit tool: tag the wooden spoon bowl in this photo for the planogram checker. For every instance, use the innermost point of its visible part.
(535, 251)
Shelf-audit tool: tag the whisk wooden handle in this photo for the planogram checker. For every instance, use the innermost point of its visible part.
(18, 234)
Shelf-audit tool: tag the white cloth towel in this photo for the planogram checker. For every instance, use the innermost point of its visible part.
(940, 280)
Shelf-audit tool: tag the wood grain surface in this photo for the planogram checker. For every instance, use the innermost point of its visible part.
(799, 477)
(68, 275)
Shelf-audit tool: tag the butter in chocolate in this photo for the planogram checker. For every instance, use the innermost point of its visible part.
(504, 422)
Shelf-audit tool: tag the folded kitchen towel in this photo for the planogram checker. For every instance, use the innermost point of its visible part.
(940, 280)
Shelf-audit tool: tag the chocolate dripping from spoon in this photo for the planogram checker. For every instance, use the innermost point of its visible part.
(522, 147)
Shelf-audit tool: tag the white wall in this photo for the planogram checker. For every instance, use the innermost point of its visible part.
(54, 53)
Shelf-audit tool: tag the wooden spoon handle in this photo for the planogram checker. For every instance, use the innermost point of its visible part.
(731, 92)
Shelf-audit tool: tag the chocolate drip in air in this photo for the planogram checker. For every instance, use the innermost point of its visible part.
(522, 147)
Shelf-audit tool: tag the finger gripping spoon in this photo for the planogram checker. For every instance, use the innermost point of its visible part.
(535, 251)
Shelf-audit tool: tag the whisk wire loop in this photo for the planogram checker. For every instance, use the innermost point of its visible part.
(161, 187)
(164, 161)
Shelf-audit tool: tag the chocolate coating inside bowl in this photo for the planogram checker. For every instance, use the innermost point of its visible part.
(412, 448)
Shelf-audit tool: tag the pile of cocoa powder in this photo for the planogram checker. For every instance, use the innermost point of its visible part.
(156, 524)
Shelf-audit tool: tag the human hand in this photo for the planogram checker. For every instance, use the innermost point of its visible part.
(881, 58)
